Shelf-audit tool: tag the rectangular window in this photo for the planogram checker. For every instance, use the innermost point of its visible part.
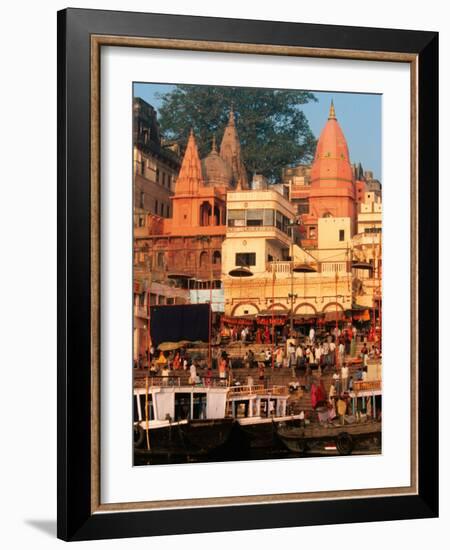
(255, 217)
(162, 209)
(303, 206)
(372, 230)
(182, 406)
(156, 206)
(245, 258)
(341, 234)
(199, 405)
(157, 175)
(268, 217)
(236, 218)
(312, 232)
(141, 199)
(279, 220)
(150, 414)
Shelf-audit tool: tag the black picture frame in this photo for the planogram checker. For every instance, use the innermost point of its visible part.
(76, 521)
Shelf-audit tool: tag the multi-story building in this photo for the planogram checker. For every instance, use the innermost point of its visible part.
(297, 239)
(367, 249)
(320, 207)
(283, 279)
(182, 253)
(156, 166)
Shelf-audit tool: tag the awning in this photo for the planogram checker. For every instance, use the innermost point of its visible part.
(170, 346)
(242, 320)
(334, 316)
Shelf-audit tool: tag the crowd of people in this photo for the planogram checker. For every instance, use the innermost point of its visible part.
(323, 353)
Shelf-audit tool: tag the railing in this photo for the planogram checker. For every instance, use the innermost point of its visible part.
(257, 389)
(367, 239)
(248, 390)
(258, 228)
(334, 267)
(279, 267)
(158, 381)
(368, 385)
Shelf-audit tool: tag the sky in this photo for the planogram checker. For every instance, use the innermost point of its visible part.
(359, 116)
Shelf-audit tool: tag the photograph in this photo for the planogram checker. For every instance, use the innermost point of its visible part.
(257, 273)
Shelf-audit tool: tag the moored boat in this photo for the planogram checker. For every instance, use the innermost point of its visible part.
(185, 421)
(341, 438)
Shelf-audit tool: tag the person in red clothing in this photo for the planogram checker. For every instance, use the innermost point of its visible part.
(313, 395)
(177, 361)
(321, 393)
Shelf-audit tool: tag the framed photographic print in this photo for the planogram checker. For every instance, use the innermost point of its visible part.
(247, 274)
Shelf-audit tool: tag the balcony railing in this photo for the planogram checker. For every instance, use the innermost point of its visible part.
(258, 389)
(372, 385)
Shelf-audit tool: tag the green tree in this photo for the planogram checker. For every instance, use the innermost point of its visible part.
(272, 127)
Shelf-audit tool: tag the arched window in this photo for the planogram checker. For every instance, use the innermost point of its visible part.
(203, 259)
(216, 215)
(216, 257)
(205, 213)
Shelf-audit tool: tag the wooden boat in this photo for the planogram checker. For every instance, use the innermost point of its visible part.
(343, 438)
(257, 410)
(183, 421)
(180, 421)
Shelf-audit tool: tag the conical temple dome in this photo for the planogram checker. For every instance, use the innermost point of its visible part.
(215, 170)
(332, 160)
(190, 176)
(230, 151)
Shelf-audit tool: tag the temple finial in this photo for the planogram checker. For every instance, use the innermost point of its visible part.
(231, 114)
(332, 115)
(214, 146)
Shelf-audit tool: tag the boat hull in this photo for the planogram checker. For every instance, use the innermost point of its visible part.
(185, 439)
(344, 439)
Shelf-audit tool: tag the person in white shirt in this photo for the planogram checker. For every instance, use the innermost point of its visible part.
(344, 377)
(165, 375)
(336, 382)
(312, 334)
(193, 373)
(318, 354)
(291, 354)
(341, 352)
(332, 353)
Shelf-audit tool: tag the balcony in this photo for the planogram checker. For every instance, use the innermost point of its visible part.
(372, 385)
(367, 239)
